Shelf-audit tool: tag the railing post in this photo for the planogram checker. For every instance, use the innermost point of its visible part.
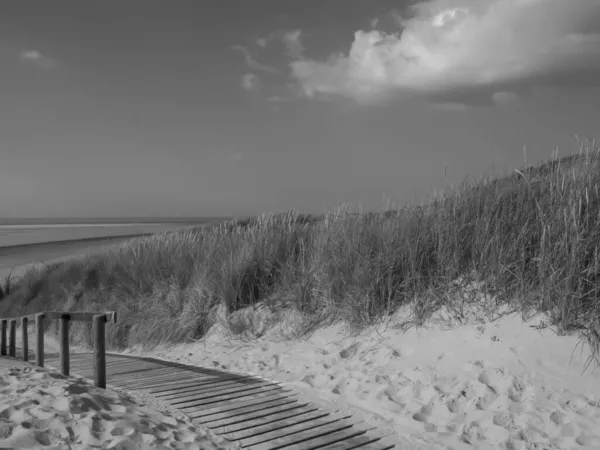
(12, 338)
(99, 328)
(24, 338)
(39, 339)
(64, 344)
(3, 338)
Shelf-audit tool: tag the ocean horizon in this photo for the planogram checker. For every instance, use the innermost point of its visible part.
(104, 221)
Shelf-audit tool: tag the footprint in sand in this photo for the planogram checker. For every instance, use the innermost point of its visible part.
(424, 413)
(350, 351)
(485, 401)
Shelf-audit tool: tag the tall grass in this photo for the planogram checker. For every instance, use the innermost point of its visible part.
(531, 239)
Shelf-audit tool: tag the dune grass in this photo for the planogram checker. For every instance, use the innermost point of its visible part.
(531, 240)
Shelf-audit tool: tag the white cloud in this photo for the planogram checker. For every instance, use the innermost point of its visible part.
(293, 44)
(449, 45)
(253, 63)
(236, 157)
(250, 82)
(261, 42)
(37, 58)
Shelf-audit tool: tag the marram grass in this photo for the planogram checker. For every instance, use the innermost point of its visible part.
(531, 239)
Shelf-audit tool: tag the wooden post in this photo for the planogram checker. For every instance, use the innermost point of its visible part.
(3, 338)
(24, 338)
(64, 344)
(99, 328)
(39, 339)
(12, 338)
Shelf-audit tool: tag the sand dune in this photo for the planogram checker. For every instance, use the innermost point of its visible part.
(41, 409)
(482, 385)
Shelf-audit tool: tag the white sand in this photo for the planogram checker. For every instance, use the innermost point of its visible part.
(481, 385)
(41, 409)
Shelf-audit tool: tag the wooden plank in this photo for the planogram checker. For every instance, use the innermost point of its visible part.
(216, 387)
(114, 369)
(367, 441)
(315, 437)
(203, 413)
(262, 403)
(152, 376)
(207, 395)
(292, 416)
(193, 383)
(224, 398)
(281, 430)
(307, 418)
(258, 414)
(125, 382)
(147, 373)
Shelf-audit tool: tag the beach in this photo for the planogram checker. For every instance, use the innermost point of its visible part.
(489, 383)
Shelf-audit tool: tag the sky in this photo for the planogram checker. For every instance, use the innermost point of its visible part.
(127, 108)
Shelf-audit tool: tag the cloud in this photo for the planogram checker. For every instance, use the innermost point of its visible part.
(448, 46)
(236, 157)
(250, 82)
(291, 40)
(253, 63)
(37, 58)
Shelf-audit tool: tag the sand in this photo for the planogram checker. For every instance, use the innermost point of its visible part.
(484, 384)
(42, 409)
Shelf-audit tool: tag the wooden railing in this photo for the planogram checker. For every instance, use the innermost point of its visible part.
(98, 320)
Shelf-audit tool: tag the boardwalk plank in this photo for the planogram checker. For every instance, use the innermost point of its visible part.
(367, 441)
(204, 413)
(307, 418)
(289, 415)
(221, 400)
(211, 388)
(170, 380)
(258, 414)
(193, 385)
(191, 401)
(260, 404)
(280, 431)
(314, 438)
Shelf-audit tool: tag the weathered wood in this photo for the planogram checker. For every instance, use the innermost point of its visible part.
(39, 339)
(318, 437)
(188, 384)
(25, 338)
(261, 403)
(213, 401)
(208, 389)
(309, 419)
(192, 399)
(3, 336)
(277, 417)
(214, 385)
(12, 338)
(64, 344)
(368, 441)
(278, 430)
(154, 382)
(98, 325)
(257, 414)
(204, 413)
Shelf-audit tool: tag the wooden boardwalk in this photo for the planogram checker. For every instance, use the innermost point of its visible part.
(256, 413)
